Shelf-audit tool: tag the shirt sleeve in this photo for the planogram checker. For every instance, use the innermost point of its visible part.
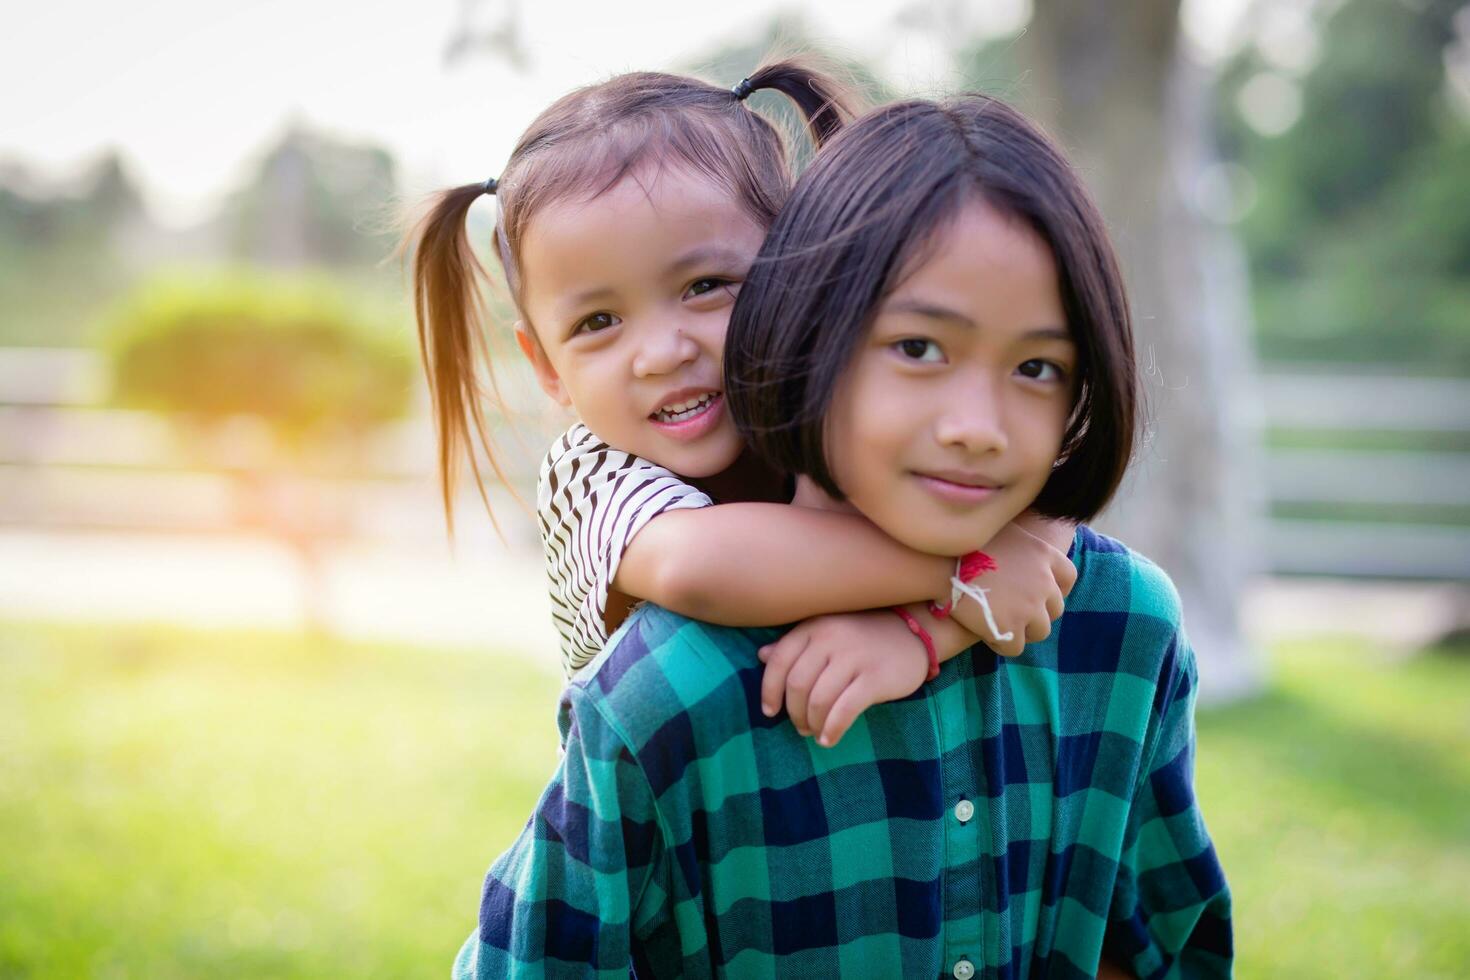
(582, 879)
(591, 500)
(1170, 914)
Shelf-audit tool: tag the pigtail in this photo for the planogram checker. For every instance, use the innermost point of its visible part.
(449, 307)
(825, 103)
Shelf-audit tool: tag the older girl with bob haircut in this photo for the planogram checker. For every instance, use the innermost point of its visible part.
(935, 335)
(937, 328)
(628, 215)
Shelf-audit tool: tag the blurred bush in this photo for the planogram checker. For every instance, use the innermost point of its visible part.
(292, 358)
(291, 351)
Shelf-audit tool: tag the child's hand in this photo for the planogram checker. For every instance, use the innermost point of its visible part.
(831, 669)
(1028, 587)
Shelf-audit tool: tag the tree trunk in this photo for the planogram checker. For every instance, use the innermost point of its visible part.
(1110, 82)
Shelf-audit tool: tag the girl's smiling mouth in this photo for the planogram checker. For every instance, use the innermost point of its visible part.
(958, 488)
(689, 414)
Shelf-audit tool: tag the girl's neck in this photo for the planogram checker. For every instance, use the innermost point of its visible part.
(808, 494)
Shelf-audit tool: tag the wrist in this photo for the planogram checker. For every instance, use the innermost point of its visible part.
(951, 637)
(917, 628)
(967, 568)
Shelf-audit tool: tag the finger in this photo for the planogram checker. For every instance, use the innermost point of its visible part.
(1037, 630)
(1007, 648)
(834, 680)
(773, 683)
(850, 703)
(1065, 573)
(799, 683)
(1055, 606)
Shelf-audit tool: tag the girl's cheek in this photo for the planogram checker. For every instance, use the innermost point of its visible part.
(712, 329)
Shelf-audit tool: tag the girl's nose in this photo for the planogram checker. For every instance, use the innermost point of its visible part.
(972, 418)
(664, 351)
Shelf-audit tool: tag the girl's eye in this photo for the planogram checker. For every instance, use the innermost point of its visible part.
(919, 349)
(700, 287)
(595, 323)
(1041, 370)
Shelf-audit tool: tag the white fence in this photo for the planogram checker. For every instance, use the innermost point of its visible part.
(1403, 495)
(67, 461)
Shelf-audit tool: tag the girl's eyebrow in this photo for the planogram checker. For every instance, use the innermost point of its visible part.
(936, 312)
(587, 295)
(711, 254)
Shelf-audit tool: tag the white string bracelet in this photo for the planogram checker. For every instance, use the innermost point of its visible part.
(959, 589)
(967, 568)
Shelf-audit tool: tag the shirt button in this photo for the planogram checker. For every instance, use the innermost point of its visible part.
(963, 811)
(964, 970)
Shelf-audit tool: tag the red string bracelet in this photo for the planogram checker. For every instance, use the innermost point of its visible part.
(967, 568)
(924, 637)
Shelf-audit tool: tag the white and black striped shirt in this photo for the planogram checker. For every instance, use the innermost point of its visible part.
(591, 499)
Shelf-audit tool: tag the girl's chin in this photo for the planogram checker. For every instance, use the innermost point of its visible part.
(941, 541)
(697, 463)
(944, 535)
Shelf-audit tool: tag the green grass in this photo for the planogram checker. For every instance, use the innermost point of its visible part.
(184, 804)
(1340, 806)
(178, 804)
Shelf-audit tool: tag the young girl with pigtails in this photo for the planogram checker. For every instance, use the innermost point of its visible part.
(627, 218)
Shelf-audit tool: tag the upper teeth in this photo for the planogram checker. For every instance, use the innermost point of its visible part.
(685, 408)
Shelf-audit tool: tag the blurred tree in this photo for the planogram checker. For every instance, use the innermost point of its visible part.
(63, 255)
(1113, 82)
(474, 33)
(66, 254)
(1360, 162)
(313, 201)
(291, 355)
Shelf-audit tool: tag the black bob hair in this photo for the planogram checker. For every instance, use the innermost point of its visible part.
(867, 205)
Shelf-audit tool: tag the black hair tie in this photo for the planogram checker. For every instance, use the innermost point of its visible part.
(743, 89)
(490, 186)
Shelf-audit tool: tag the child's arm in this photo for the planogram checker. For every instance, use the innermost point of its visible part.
(616, 527)
(830, 669)
(748, 564)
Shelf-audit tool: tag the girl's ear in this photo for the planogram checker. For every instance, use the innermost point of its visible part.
(546, 375)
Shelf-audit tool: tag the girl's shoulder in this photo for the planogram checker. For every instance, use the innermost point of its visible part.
(1123, 617)
(578, 451)
(591, 499)
(1113, 578)
(580, 464)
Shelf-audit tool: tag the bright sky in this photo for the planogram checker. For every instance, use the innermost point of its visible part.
(191, 90)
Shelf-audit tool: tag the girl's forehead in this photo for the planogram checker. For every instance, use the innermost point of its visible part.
(647, 195)
(646, 228)
(984, 234)
(982, 257)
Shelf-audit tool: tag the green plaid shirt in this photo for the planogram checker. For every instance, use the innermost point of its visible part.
(1011, 819)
